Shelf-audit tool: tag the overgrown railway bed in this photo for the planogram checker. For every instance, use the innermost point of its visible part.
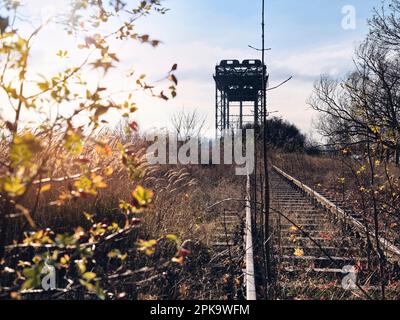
(314, 248)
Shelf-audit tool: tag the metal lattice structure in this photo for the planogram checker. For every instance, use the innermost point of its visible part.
(239, 93)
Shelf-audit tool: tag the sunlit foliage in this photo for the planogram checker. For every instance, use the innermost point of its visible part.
(53, 147)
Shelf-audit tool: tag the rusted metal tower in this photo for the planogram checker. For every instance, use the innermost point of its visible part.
(239, 94)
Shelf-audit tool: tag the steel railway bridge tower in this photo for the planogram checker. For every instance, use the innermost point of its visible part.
(239, 94)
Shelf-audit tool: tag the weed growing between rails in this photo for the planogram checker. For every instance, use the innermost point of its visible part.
(366, 193)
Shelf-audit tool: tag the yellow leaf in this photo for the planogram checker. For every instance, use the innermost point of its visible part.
(65, 260)
(98, 181)
(23, 148)
(14, 186)
(172, 237)
(147, 247)
(142, 195)
(375, 129)
(45, 188)
(73, 143)
(108, 171)
(44, 86)
(88, 216)
(62, 53)
(298, 252)
(89, 276)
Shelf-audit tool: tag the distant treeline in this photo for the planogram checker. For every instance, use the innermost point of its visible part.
(287, 137)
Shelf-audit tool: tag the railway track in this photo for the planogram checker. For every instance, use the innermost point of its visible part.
(227, 256)
(319, 250)
(313, 250)
(232, 246)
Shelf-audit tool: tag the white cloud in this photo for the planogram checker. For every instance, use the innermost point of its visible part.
(331, 59)
(196, 62)
(306, 67)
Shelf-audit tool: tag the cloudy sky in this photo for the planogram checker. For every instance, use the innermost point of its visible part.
(306, 37)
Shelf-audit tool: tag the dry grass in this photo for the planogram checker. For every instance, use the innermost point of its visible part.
(182, 195)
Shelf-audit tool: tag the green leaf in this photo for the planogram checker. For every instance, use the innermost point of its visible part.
(73, 143)
(116, 254)
(14, 186)
(148, 247)
(81, 266)
(32, 276)
(94, 288)
(44, 86)
(65, 240)
(23, 148)
(172, 237)
(143, 196)
(84, 183)
(89, 276)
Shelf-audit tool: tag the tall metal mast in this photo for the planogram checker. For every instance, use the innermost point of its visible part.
(265, 155)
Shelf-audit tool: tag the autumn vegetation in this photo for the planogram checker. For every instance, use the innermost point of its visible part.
(80, 199)
(358, 165)
(77, 195)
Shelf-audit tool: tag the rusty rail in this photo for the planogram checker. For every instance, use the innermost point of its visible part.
(390, 249)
